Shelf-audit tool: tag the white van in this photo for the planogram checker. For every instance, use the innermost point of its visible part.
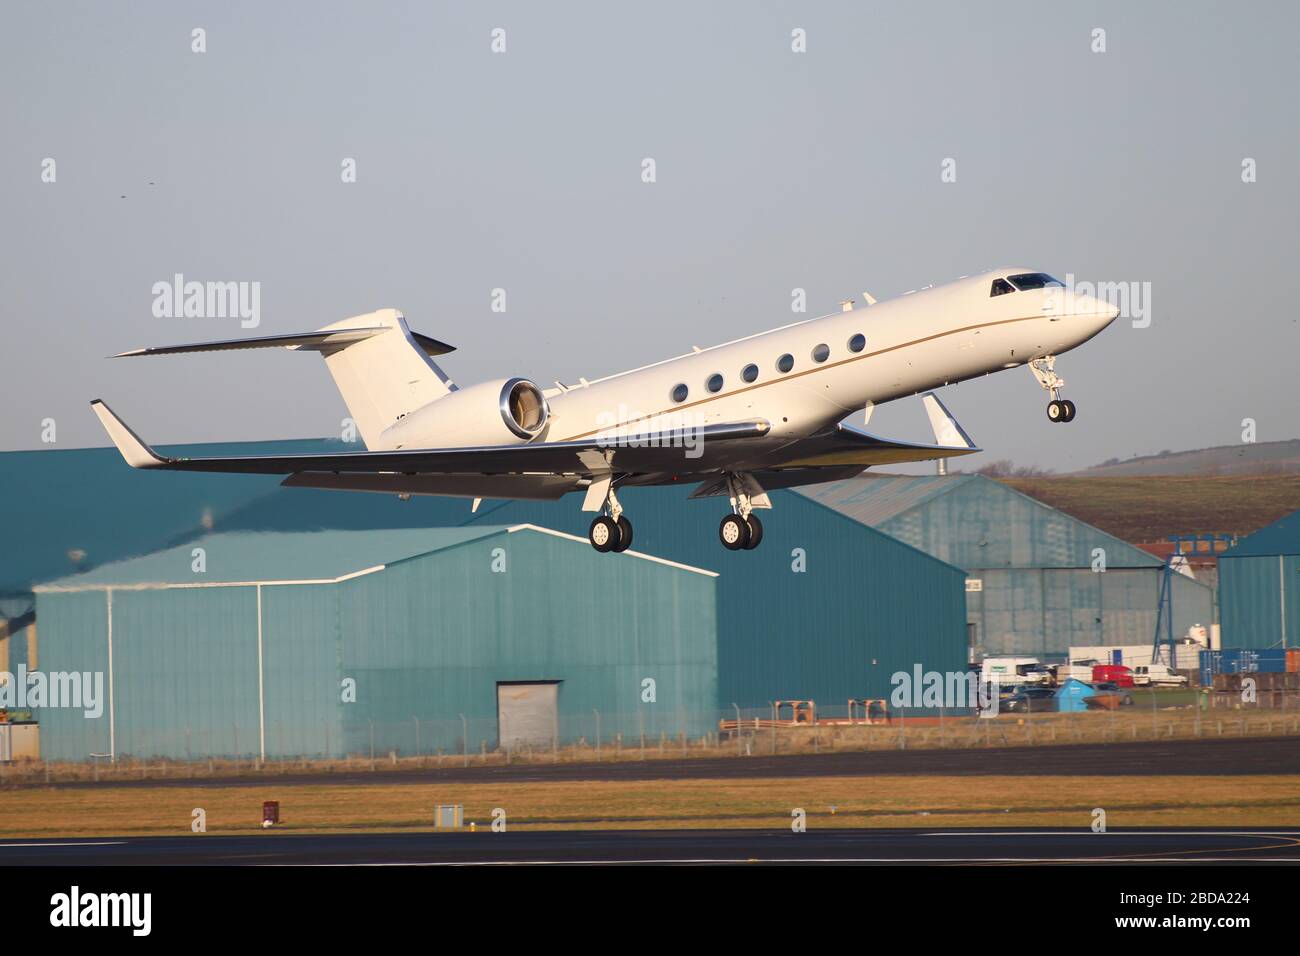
(1145, 675)
(1009, 671)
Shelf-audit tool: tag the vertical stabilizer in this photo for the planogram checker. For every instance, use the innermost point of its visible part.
(386, 376)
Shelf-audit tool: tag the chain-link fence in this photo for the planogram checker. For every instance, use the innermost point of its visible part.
(778, 728)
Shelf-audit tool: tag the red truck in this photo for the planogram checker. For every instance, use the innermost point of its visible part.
(1116, 674)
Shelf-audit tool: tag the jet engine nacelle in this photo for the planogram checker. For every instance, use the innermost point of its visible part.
(508, 411)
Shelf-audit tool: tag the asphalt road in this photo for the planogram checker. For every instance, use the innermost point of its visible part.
(484, 848)
(1228, 756)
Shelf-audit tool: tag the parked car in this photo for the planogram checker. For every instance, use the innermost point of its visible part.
(1116, 674)
(1029, 699)
(1158, 675)
(1125, 695)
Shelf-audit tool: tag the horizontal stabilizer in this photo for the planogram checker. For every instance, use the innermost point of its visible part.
(325, 340)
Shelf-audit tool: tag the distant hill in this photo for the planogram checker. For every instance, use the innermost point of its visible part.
(1257, 458)
(1151, 508)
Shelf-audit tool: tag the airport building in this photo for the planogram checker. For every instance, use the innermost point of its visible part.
(827, 609)
(1033, 583)
(332, 643)
(1259, 587)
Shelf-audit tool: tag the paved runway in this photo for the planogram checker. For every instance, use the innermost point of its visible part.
(484, 848)
(1229, 756)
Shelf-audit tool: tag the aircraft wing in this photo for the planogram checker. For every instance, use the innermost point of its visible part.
(669, 452)
(849, 445)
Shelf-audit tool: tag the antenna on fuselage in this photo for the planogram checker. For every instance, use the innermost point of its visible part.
(871, 299)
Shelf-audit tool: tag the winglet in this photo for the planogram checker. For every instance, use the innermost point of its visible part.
(947, 431)
(135, 451)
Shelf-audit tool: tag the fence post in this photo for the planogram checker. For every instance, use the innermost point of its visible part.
(640, 723)
(597, 713)
(738, 747)
(417, 734)
(464, 739)
(371, 721)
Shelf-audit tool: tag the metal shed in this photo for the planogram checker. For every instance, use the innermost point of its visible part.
(1259, 587)
(1034, 586)
(355, 642)
(827, 609)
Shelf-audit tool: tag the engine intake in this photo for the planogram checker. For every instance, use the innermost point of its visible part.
(505, 411)
(523, 407)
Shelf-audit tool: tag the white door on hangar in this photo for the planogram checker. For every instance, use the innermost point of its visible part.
(527, 714)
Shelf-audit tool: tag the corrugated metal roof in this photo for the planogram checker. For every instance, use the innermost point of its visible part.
(874, 499)
(1281, 537)
(974, 522)
(252, 557)
(69, 510)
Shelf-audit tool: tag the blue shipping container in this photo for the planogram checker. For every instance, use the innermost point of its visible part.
(1270, 660)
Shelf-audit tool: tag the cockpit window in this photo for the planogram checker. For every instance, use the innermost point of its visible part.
(1000, 287)
(1033, 280)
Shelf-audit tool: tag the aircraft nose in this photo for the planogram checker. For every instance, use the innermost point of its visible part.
(1090, 305)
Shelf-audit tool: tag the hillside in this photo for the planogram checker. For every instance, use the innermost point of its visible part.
(1257, 458)
(1152, 508)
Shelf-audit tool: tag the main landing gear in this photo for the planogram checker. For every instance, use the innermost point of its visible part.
(611, 531)
(1044, 369)
(740, 534)
(741, 530)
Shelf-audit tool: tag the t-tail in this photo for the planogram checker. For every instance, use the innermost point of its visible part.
(383, 370)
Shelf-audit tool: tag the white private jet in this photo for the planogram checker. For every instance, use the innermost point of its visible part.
(742, 418)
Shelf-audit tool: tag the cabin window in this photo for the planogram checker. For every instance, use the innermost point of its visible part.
(1000, 287)
(857, 343)
(821, 353)
(785, 363)
(750, 372)
(679, 392)
(714, 384)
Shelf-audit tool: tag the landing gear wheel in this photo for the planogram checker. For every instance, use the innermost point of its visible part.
(603, 534)
(1069, 410)
(624, 535)
(733, 532)
(755, 532)
(1056, 411)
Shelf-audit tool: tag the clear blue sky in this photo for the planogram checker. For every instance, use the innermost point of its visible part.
(522, 170)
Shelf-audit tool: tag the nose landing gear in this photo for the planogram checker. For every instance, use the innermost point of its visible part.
(1044, 369)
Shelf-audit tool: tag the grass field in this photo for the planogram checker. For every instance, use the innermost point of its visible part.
(1152, 508)
(885, 801)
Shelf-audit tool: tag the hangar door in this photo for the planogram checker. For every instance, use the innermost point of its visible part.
(527, 713)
